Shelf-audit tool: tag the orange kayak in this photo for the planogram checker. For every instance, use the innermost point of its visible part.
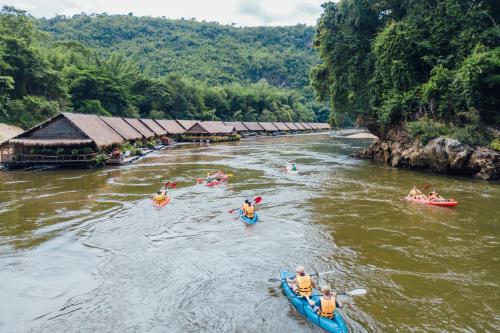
(161, 203)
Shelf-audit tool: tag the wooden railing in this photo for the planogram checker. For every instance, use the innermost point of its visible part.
(54, 158)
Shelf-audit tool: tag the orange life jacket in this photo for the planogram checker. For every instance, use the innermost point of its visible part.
(159, 198)
(304, 285)
(249, 211)
(327, 308)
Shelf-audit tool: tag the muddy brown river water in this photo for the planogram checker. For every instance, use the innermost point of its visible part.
(85, 251)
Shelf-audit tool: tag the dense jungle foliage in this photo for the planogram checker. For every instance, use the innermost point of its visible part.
(157, 68)
(432, 67)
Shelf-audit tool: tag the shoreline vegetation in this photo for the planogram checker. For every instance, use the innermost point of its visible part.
(143, 67)
(422, 76)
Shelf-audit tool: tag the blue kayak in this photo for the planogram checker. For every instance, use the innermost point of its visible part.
(249, 220)
(335, 325)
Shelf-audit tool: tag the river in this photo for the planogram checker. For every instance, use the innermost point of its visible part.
(84, 250)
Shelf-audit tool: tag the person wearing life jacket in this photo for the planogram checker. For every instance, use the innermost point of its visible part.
(294, 167)
(219, 175)
(248, 209)
(302, 284)
(325, 306)
(415, 193)
(160, 197)
(435, 196)
(209, 177)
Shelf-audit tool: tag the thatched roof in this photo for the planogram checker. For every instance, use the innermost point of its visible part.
(253, 126)
(307, 126)
(211, 127)
(299, 126)
(122, 128)
(187, 124)
(140, 127)
(291, 126)
(152, 125)
(51, 142)
(171, 126)
(9, 131)
(268, 127)
(280, 126)
(95, 128)
(238, 125)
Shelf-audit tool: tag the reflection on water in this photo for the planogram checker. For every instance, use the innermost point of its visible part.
(84, 250)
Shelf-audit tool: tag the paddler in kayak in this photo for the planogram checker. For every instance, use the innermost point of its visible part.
(325, 306)
(436, 197)
(302, 284)
(415, 193)
(248, 209)
(160, 197)
(219, 175)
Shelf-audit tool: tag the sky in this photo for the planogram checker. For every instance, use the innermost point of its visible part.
(240, 12)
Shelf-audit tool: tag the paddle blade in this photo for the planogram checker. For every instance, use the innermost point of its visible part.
(257, 200)
(173, 185)
(229, 175)
(232, 211)
(357, 292)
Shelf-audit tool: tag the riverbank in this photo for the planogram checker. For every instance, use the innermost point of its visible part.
(440, 155)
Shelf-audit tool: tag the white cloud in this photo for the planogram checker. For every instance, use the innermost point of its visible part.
(241, 12)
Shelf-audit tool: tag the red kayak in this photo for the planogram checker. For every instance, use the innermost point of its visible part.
(217, 182)
(163, 203)
(448, 203)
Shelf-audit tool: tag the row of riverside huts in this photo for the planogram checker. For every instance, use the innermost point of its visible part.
(74, 139)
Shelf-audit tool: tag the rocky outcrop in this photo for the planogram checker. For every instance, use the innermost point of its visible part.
(440, 155)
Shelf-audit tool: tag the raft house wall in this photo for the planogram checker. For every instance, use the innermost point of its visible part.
(43, 144)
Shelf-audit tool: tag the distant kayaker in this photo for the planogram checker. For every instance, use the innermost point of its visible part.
(219, 175)
(434, 196)
(248, 209)
(301, 284)
(294, 167)
(415, 193)
(160, 197)
(325, 306)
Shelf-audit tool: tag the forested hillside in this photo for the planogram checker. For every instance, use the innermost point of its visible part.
(158, 68)
(429, 67)
(217, 54)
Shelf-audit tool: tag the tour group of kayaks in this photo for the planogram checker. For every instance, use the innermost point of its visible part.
(319, 307)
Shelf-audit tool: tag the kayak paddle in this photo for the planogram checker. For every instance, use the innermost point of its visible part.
(172, 185)
(256, 200)
(354, 292)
